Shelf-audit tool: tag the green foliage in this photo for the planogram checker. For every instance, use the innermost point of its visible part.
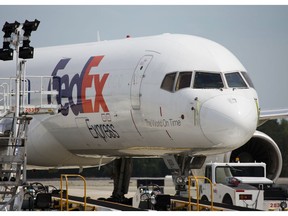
(278, 131)
(149, 167)
(142, 167)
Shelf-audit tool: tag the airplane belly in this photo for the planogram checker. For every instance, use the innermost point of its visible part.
(46, 149)
(116, 135)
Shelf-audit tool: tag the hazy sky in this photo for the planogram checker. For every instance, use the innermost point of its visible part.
(257, 35)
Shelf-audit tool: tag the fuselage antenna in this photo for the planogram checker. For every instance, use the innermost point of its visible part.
(98, 36)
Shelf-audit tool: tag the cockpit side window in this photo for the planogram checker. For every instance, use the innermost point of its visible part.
(206, 80)
(168, 82)
(248, 80)
(184, 80)
(234, 80)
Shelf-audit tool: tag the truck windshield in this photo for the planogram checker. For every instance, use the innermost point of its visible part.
(222, 173)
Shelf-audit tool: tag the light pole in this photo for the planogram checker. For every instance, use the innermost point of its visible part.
(16, 34)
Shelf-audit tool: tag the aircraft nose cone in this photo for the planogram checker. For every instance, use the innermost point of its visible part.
(228, 120)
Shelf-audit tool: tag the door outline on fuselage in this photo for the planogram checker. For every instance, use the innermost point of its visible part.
(138, 75)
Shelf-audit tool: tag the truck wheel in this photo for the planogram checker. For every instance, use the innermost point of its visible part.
(204, 198)
(227, 199)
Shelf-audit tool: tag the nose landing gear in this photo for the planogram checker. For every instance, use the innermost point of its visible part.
(180, 166)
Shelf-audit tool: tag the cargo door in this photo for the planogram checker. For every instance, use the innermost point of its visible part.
(137, 78)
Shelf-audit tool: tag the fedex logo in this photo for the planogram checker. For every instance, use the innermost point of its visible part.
(80, 84)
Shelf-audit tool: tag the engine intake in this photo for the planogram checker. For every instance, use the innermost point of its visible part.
(260, 148)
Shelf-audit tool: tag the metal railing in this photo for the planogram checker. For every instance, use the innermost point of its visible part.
(34, 94)
(195, 179)
(67, 192)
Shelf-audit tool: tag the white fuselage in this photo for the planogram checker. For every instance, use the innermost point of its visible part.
(114, 102)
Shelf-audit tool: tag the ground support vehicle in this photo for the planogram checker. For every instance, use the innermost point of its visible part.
(243, 184)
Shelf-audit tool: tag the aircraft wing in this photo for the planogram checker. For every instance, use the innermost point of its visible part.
(266, 115)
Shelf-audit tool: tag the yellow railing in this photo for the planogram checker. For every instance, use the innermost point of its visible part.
(196, 180)
(66, 197)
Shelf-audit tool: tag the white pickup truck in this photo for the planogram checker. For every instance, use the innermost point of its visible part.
(243, 184)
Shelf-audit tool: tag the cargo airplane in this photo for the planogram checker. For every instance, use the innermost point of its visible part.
(180, 97)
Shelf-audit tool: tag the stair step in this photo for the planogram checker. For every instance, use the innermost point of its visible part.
(10, 145)
(8, 171)
(7, 192)
(4, 140)
(11, 159)
(9, 183)
(3, 203)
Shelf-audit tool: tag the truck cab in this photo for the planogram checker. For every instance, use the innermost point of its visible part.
(248, 173)
(242, 184)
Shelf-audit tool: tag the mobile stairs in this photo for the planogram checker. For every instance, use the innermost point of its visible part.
(18, 103)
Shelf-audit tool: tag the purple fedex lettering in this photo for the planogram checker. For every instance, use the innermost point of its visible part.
(58, 86)
(75, 107)
(81, 82)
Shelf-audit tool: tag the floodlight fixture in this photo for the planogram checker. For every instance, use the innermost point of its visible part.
(26, 51)
(29, 26)
(6, 53)
(9, 28)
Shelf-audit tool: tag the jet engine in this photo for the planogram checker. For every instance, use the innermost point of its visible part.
(260, 148)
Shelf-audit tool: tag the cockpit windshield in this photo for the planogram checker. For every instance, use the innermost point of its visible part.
(234, 80)
(248, 80)
(184, 80)
(206, 80)
(168, 82)
(176, 81)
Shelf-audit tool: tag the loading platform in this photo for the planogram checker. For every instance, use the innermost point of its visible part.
(62, 200)
(182, 203)
(78, 203)
(177, 204)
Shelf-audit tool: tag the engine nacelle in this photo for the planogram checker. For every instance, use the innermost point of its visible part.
(260, 148)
